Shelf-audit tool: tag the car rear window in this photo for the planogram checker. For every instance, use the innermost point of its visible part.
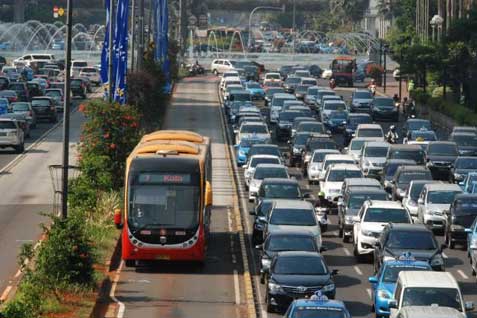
(40, 103)
(7, 125)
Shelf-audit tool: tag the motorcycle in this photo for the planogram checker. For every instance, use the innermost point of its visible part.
(332, 83)
(372, 88)
(322, 216)
(195, 69)
(392, 138)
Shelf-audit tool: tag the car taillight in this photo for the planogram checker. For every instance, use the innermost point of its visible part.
(14, 99)
(52, 107)
(30, 113)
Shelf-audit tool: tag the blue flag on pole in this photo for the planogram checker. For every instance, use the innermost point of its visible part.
(104, 51)
(161, 29)
(121, 51)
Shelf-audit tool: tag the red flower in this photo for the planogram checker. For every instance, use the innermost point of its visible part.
(134, 124)
(82, 108)
(112, 146)
(106, 136)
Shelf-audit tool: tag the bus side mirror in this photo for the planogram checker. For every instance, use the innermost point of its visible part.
(118, 219)
(208, 194)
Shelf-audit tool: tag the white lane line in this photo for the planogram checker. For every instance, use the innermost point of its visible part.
(444, 255)
(236, 288)
(347, 252)
(358, 270)
(461, 273)
(368, 290)
(122, 308)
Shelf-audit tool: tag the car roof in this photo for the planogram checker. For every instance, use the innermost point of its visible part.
(280, 181)
(264, 145)
(369, 126)
(7, 119)
(298, 254)
(400, 161)
(384, 204)
(441, 142)
(327, 151)
(339, 156)
(359, 115)
(344, 166)
(405, 147)
(281, 95)
(366, 190)
(427, 278)
(292, 204)
(413, 168)
(418, 182)
(418, 120)
(463, 133)
(363, 90)
(430, 312)
(362, 181)
(376, 144)
(320, 303)
(443, 187)
(260, 156)
(465, 196)
(410, 227)
(291, 232)
(270, 166)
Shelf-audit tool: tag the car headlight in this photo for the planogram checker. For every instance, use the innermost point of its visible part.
(412, 203)
(401, 192)
(328, 288)
(367, 233)
(307, 158)
(266, 263)
(437, 260)
(430, 164)
(384, 294)
(12, 133)
(349, 219)
(274, 288)
(241, 153)
(259, 226)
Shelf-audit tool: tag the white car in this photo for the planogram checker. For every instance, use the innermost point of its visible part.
(249, 168)
(230, 81)
(263, 171)
(327, 74)
(354, 148)
(373, 157)
(373, 216)
(11, 134)
(330, 106)
(219, 66)
(316, 163)
(374, 131)
(409, 201)
(226, 75)
(334, 177)
(331, 159)
(272, 77)
(27, 59)
(435, 199)
(91, 73)
(255, 130)
(77, 66)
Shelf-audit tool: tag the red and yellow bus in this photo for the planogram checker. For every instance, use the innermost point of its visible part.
(168, 198)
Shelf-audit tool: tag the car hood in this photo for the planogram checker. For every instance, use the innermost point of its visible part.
(362, 100)
(463, 171)
(301, 280)
(375, 227)
(420, 255)
(315, 229)
(332, 186)
(439, 158)
(376, 161)
(464, 220)
(438, 207)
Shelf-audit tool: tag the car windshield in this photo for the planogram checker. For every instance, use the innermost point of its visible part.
(301, 88)
(300, 265)
(384, 215)
(320, 156)
(376, 151)
(8, 93)
(418, 124)
(281, 191)
(322, 312)
(273, 76)
(441, 197)
(79, 64)
(4, 124)
(339, 116)
(466, 163)
(312, 91)
(250, 129)
(391, 272)
(370, 132)
(356, 200)
(408, 176)
(88, 70)
(265, 150)
(278, 243)
(264, 207)
(322, 144)
(356, 144)
(288, 116)
(465, 140)
(53, 93)
(336, 175)
(262, 173)
(253, 85)
(414, 154)
(300, 140)
(19, 107)
(363, 95)
(256, 161)
(247, 143)
(415, 190)
(356, 120)
(274, 90)
(311, 127)
(427, 296)
(241, 97)
(442, 150)
(308, 82)
(334, 106)
(423, 136)
(384, 102)
(411, 240)
(466, 207)
(40, 102)
(293, 217)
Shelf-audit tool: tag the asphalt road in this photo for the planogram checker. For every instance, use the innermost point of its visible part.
(185, 290)
(26, 191)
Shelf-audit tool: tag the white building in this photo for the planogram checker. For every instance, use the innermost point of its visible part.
(375, 23)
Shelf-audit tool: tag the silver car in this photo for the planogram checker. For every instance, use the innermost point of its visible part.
(11, 135)
(24, 108)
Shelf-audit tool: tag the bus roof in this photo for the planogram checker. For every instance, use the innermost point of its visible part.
(183, 135)
(172, 147)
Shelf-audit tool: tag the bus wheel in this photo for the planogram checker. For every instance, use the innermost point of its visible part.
(130, 263)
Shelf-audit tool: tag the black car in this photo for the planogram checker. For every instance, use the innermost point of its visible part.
(4, 83)
(78, 87)
(440, 156)
(297, 145)
(285, 70)
(282, 241)
(284, 124)
(397, 239)
(264, 149)
(44, 108)
(462, 166)
(466, 143)
(315, 70)
(349, 207)
(404, 175)
(383, 108)
(316, 141)
(22, 91)
(415, 124)
(279, 188)
(389, 169)
(352, 123)
(34, 89)
(290, 83)
(297, 275)
(462, 213)
(261, 215)
(269, 94)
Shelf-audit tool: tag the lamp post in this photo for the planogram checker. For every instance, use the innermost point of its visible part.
(249, 42)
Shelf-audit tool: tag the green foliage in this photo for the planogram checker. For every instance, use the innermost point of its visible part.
(460, 113)
(420, 96)
(27, 304)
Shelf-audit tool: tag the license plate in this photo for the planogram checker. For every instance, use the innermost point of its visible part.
(163, 257)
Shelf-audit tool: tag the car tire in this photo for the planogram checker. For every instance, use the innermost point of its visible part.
(20, 148)
(341, 232)
(270, 308)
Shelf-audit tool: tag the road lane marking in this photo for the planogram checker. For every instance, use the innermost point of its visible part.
(5, 293)
(370, 295)
(461, 273)
(236, 288)
(347, 252)
(357, 270)
(113, 291)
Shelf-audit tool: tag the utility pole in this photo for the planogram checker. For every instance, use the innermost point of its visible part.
(385, 73)
(400, 75)
(150, 28)
(133, 34)
(140, 52)
(294, 25)
(66, 110)
(111, 49)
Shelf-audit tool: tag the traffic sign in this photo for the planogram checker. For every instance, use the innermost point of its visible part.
(61, 12)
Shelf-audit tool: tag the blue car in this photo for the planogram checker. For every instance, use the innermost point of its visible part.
(384, 283)
(317, 306)
(243, 147)
(468, 185)
(254, 88)
(336, 121)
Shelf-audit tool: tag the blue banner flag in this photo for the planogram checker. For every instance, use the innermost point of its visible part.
(120, 63)
(161, 30)
(104, 51)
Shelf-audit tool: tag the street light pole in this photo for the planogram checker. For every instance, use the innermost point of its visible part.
(249, 42)
(66, 111)
(294, 25)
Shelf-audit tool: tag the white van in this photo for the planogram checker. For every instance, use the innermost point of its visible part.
(220, 66)
(36, 57)
(427, 288)
(76, 67)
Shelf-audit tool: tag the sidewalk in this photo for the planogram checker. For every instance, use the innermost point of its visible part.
(392, 87)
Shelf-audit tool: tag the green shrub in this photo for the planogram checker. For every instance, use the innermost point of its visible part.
(460, 113)
(420, 96)
(438, 92)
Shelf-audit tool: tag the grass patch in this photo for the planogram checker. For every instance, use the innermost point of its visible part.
(460, 113)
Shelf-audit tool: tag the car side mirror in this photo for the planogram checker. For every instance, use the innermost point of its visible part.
(459, 178)
(469, 305)
(236, 146)
(334, 272)
(245, 166)
(328, 132)
(259, 247)
(323, 249)
(346, 149)
(392, 304)
(118, 219)
(373, 279)
(208, 194)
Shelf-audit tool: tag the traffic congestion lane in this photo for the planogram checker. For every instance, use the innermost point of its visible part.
(183, 289)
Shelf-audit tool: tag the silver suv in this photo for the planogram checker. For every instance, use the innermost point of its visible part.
(11, 135)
